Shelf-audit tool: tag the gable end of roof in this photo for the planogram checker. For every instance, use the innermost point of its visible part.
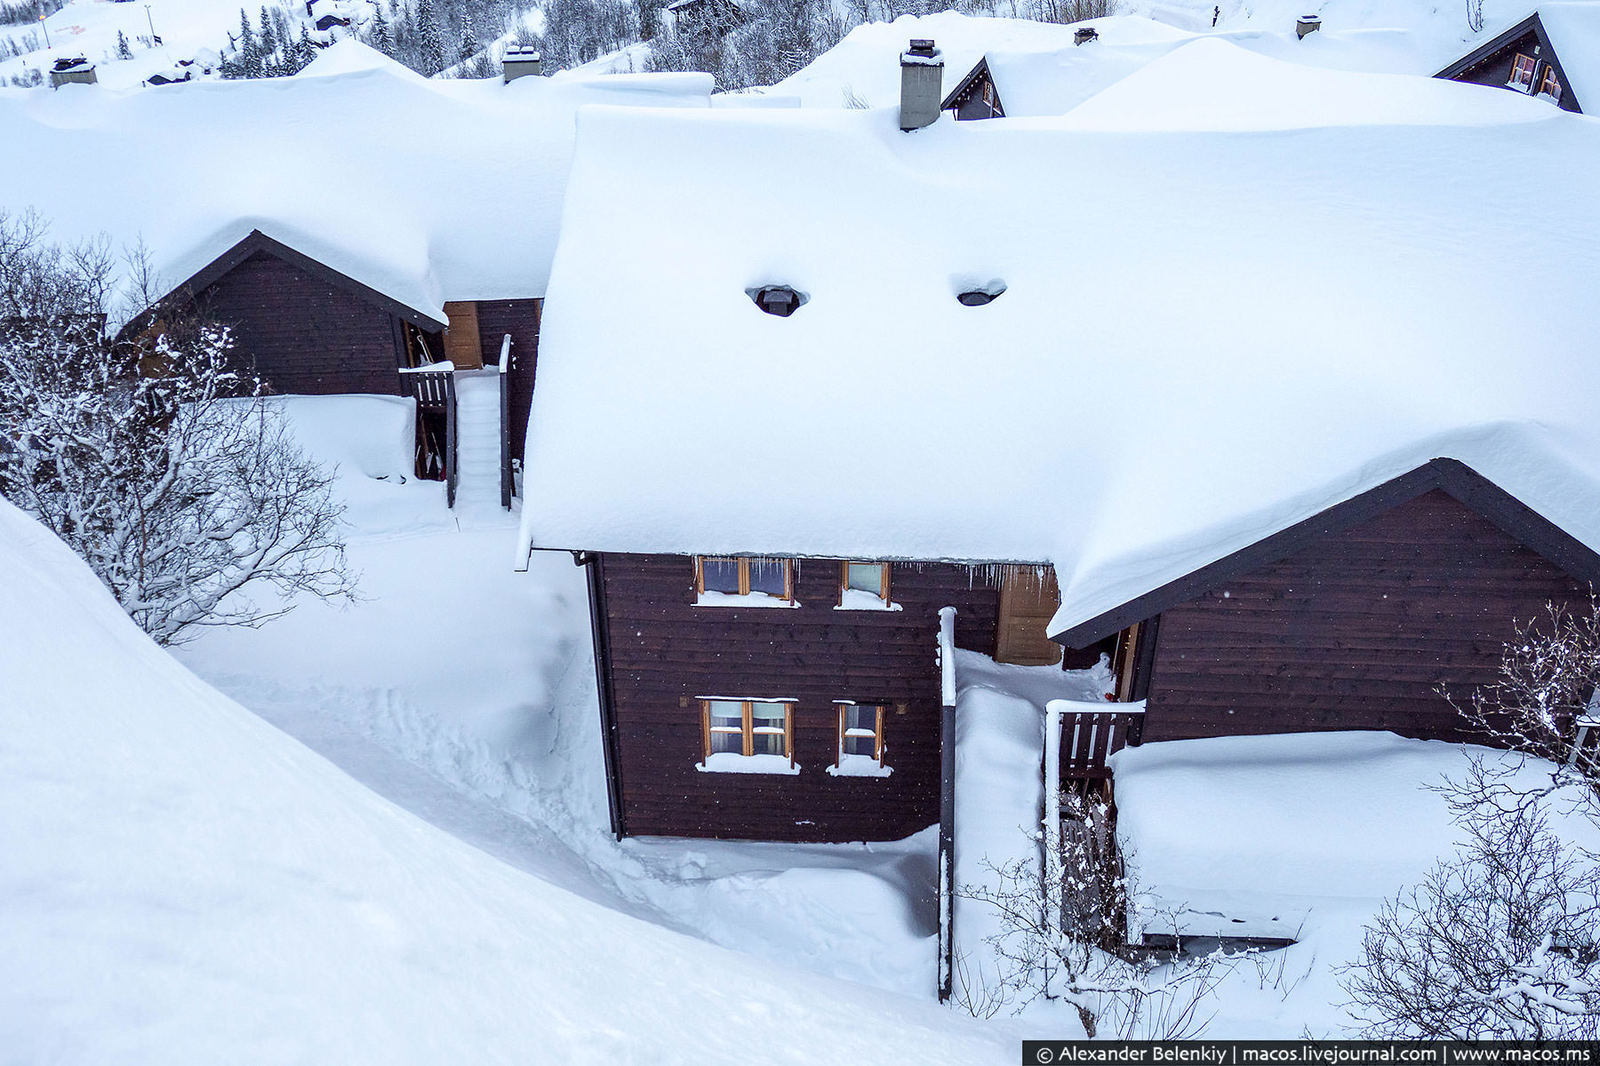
(966, 84)
(1474, 491)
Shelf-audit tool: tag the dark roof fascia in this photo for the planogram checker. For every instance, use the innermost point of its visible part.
(1493, 45)
(256, 241)
(954, 98)
(1474, 491)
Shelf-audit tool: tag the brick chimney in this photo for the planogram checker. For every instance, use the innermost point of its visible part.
(921, 85)
(520, 60)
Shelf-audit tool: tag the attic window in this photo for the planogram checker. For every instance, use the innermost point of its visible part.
(1550, 84)
(726, 581)
(1522, 73)
(778, 300)
(864, 586)
(980, 296)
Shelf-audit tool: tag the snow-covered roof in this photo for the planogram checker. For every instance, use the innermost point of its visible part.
(1205, 337)
(425, 190)
(1040, 70)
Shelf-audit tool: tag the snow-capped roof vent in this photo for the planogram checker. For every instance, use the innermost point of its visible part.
(72, 69)
(778, 300)
(1307, 24)
(983, 294)
(519, 61)
(1085, 34)
(921, 84)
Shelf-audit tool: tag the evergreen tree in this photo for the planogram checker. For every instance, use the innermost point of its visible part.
(124, 50)
(469, 39)
(379, 36)
(306, 50)
(429, 40)
(269, 41)
(247, 57)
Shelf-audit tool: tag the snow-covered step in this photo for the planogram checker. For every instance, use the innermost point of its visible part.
(478, 438)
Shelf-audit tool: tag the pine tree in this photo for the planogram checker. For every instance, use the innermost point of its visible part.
(247, 56)
(430, 44)
(269, 40)
(306, 49)
(124, 50)
(379, 36)
(469, 39)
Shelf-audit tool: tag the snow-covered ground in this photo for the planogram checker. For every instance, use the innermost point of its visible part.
(465, 692)
(185, 883)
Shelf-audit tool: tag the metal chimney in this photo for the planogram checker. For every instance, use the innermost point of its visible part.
(921, 85)
(1085, 34)
(1307, 24)
(520, 60)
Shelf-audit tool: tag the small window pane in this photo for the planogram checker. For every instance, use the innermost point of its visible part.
(868, 577)
(767, 575)
(861, 716)
(728, 713)
(860, 746)
(733, 742)
(767, 715)
(768, 744)
(721, 575)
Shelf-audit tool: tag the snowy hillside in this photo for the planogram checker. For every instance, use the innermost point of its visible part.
(186, 884)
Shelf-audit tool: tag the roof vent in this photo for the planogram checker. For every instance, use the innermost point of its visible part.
(921, 84)
(778, 300)
(983, 294)
(1307, 24)
(1085, 34)
(519, 61)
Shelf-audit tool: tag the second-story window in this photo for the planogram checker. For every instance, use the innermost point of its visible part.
(864, 586)
(749, 581)
(861, 748)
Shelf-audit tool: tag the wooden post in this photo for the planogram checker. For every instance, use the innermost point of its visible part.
(508, 483)
(947, 803)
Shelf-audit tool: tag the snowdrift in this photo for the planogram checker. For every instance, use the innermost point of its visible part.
(183, 883)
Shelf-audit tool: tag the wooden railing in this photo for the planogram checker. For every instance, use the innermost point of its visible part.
(436, 390)
(1585, 755)
(1089, 736)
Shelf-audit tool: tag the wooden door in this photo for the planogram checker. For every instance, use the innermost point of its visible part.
(461, 344)
(1028, 600)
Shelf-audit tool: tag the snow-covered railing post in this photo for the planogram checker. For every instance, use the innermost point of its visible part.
(1588, 724)
(507, 484)
(947, 801)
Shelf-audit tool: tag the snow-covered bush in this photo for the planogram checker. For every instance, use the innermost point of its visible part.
(1502, 941)
(1062, 937)
(151, 456)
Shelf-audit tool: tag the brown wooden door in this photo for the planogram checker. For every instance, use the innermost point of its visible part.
(1028, 599)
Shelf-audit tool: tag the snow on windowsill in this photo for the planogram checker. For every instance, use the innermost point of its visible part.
(726, 762)
(859, 766)
(861, 600)
(429, 368)
(734, 599)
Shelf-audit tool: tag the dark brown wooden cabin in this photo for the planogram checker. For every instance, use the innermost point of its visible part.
(308, 329)
(975, 96)
(1521, 59)
(1352, 619)
(661, 660)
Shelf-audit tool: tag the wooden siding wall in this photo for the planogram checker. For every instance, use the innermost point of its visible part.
(665, 652)
(520, 318)
(1355, 631)
(302, 334)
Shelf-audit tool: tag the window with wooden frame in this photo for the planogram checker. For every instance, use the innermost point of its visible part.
(751, 580)
(1550, 84)
(747, 735)
(864, 586)
(1522, 68)
(861, 747)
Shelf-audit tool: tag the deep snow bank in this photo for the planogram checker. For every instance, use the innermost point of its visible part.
(183, 883)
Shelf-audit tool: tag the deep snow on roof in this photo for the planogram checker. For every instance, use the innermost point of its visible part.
(1204, 338)
(1039, 70)
(426, 190)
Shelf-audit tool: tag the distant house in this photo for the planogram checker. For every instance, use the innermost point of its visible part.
(1548, 55)
(705, 16)
(347, 274)
(326, 14)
